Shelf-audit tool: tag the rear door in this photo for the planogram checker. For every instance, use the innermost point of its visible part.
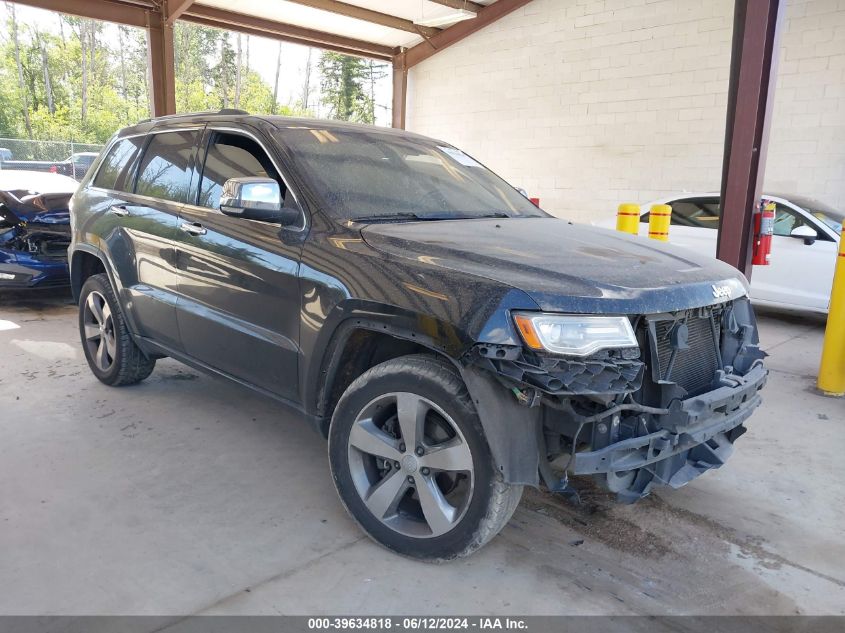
(148, 219)
(239, 299)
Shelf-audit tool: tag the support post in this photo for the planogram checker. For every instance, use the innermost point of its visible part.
(752, 80)
(659, 221)
(831, 380)
(628, 218)
(160, 64)
(400, 89)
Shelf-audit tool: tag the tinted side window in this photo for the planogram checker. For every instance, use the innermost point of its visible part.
(232, 156)
(787, 220)
(116, 167)
(702, 213)
(163, 172)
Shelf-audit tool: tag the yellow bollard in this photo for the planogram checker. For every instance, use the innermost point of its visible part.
(628, 218)
(659, 219)
(832, 369)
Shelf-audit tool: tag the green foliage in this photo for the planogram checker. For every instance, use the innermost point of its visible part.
(84, 80)
(343, 81)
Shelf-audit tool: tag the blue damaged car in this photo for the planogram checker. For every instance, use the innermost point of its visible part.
(34, 229)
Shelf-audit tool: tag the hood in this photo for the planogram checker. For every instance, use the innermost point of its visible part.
(566, 267)
(45, 208)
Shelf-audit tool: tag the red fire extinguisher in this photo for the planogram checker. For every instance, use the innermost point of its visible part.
(764, 227)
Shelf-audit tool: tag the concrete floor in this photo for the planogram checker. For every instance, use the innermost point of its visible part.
(187, 495)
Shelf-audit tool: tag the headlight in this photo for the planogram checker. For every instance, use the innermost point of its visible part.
(574, 334)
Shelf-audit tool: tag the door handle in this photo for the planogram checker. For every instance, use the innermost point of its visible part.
(194, 228)
(119, 210)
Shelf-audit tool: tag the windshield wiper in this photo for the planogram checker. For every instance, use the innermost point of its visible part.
(403, 217)
(408, 216)
(495, 214)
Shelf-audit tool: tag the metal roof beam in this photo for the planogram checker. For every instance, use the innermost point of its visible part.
(130, 14)
(173, 9)
(486, 15)
(229, 20)
(367, 15)
(460, 4)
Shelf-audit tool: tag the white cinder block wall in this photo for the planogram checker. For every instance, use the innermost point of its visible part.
(588, 103)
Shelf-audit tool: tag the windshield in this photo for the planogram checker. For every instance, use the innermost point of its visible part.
(822, 212)
(833, 220)
(371, 175)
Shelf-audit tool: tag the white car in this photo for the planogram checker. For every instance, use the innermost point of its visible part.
(804, 246)
(27, 182)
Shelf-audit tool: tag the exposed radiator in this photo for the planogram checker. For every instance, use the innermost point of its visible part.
(693, 368)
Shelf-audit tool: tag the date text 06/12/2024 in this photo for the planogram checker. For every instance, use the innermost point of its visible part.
(417, 624)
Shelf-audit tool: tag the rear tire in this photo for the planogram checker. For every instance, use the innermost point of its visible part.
(435, 496)
(109, 349)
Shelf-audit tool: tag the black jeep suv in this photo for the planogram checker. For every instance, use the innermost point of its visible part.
(449, 338)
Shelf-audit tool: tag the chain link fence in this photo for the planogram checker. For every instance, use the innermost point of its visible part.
(64, 157)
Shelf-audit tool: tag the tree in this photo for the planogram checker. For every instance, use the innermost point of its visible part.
(342, 80)
(195, 49)
(13, 23)
(80, 80)
(305, 95)
(45, 68)
(276, 82)
(224, 71)
(238, 66)
(375, 73)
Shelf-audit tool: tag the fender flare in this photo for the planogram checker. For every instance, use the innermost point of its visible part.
(113, 279)
(322, 375)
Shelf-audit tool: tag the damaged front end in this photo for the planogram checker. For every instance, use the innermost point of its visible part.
(635, 418)
(34, 242)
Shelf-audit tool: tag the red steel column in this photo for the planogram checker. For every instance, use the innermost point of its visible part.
(400, 89)
(750, 95)
(161, 64)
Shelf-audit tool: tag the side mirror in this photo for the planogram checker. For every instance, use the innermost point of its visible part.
(256, 198)
(806, 233)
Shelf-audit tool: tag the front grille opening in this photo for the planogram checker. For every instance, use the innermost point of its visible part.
(693, 368)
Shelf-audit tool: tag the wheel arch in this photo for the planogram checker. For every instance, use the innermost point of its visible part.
(83, 264)
(356, 345)
(359, 344)
(87, 260)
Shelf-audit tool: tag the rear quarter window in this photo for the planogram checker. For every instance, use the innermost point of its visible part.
(115, 170)
(164, 169)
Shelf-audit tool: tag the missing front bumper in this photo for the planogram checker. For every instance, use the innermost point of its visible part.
(697, 436)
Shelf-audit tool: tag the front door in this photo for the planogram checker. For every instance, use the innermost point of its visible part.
(800, 273)
(239, 300)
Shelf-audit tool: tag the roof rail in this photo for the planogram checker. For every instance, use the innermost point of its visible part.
(185, 114)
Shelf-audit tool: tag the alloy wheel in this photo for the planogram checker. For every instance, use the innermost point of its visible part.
(411, 465)
(98, 325)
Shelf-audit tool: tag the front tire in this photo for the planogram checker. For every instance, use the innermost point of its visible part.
(109, 349)
(411, 464)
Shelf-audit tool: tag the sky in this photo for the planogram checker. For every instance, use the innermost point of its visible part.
(262, 57)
